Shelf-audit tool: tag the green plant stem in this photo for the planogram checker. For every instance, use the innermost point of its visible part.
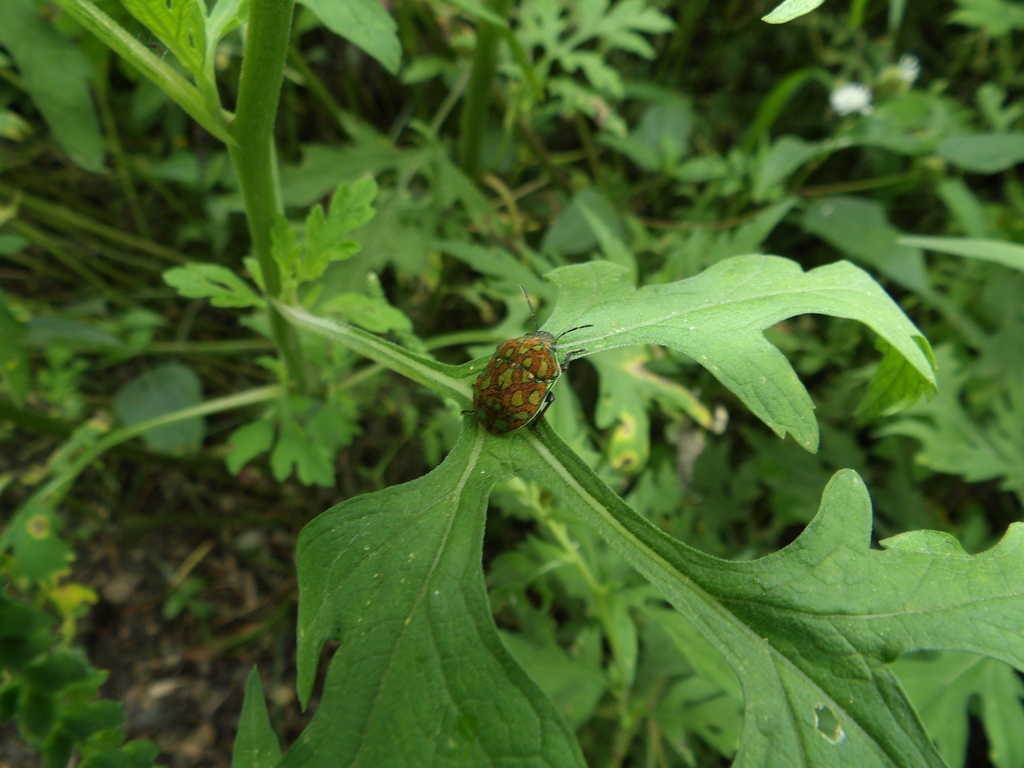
(474, 110)
(124, 173)
(54, 490)
(603, 612)
(65, 219)
(319, 91)
(588, 146)
(227, 347)
(43, 240)
(254, 158)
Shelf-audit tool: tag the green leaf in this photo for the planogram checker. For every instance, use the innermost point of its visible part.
(160, 391)
(32, 534)
(365, 23)
(24, 634)
(895, 386)
(179, 24)
(285, 248)
(421, 670)
(955, 443)
(809, 629)
(248, 442)
(351, 207)
(571, 234)
(371, 313)
(997, 17)
(984, 152)
(86, 719)
(574, 682)
(56, 75)
(219, 284)
(997, 251)
(942, 686)
(790, 9)
(480, 11)
(256, 744)
(297, 447)
(718, 318)
(225, 16)
(14, 362)
(37, 712)
(859, 228)
(169, 80)
(787, 154)
(53, 673)
(627, 392)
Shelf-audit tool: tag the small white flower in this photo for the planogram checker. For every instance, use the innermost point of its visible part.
(908, 68)
(851, 97)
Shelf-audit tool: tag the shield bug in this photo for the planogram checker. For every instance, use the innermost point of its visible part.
(515, 387)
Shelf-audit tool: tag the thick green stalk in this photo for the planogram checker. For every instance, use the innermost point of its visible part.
(254, 158)
(474, 109)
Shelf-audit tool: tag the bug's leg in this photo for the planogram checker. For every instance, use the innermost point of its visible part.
(548, 400)
(535, 423)
(570, 356)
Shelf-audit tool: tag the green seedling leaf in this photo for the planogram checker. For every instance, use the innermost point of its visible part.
(179, 24)
(56, 74)
(158, 392)
(211, 281)
(256, 744)
(791, 9)
(421, 670)
(364, 23)
(997, 251)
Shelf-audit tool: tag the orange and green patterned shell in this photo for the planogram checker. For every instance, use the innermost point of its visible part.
(512, 388)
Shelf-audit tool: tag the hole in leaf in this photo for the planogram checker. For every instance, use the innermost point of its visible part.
(828, 725)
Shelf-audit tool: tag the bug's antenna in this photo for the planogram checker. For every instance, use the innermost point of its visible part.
(577, 328)
(530, 305)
